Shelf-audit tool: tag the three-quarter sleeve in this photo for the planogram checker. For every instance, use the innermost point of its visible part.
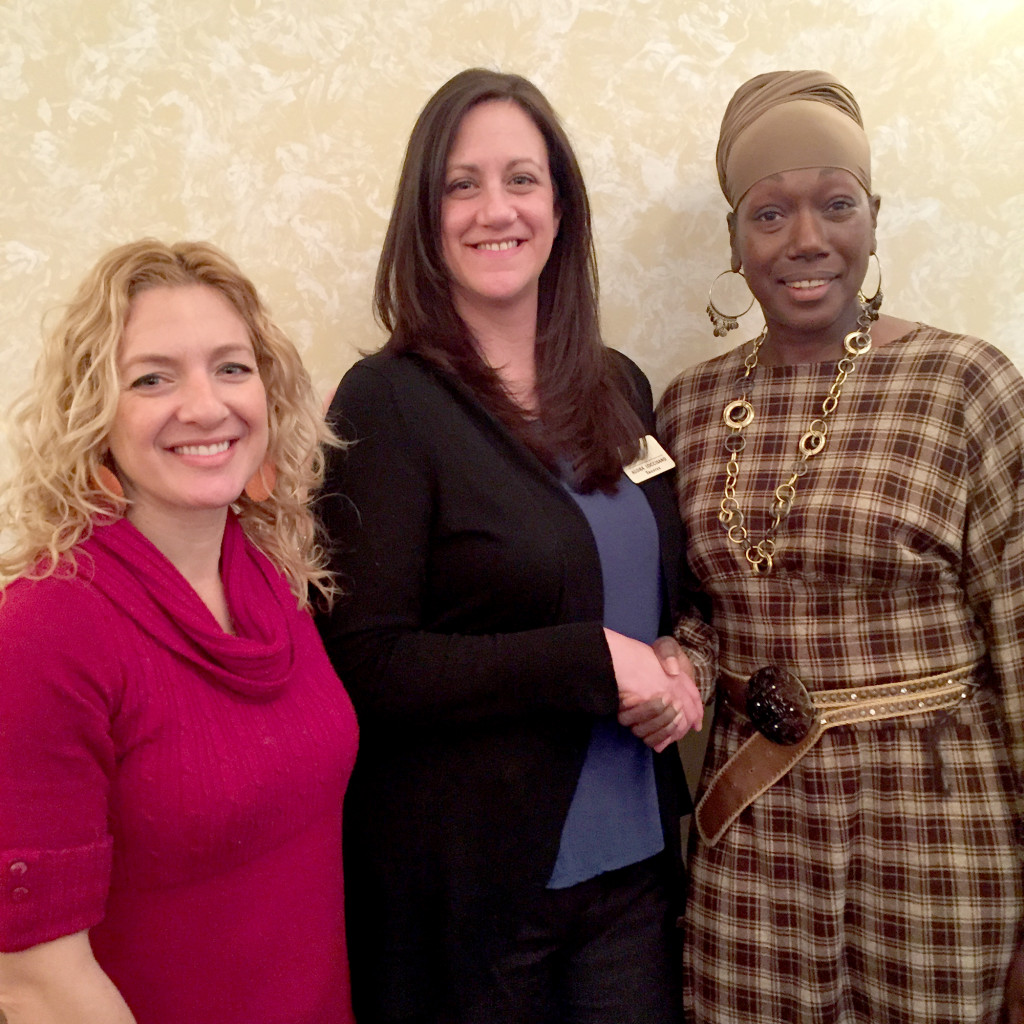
(993, 559)
(692, 627)
(56, 761)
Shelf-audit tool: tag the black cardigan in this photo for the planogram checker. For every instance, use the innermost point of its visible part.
(470, 639)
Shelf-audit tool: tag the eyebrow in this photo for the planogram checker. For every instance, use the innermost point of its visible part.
(826, 176)
(510, 164)
(823, 172)
(221, 352)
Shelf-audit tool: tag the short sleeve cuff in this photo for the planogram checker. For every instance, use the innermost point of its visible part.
(45, 894)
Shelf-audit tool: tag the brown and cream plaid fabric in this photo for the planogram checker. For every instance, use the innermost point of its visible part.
(881, 879)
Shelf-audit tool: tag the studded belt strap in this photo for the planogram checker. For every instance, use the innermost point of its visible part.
(760, 763)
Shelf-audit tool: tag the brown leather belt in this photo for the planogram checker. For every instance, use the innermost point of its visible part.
(760, 763)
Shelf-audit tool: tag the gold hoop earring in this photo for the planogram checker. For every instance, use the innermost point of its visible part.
(724, 322)
(873, 304)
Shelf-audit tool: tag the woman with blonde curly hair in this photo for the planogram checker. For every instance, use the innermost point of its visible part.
(174, 743)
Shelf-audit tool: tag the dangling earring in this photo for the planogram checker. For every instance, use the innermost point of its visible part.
(724, 322)
(261, 484)
(108, 482)
(874, 304)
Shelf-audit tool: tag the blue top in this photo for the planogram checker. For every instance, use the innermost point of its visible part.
(613, 820)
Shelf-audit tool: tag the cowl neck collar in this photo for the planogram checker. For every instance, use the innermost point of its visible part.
(133, 574)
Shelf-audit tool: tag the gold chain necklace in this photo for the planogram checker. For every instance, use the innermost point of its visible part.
(739, 414)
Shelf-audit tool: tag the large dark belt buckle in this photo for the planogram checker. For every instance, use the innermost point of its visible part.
(779, 705)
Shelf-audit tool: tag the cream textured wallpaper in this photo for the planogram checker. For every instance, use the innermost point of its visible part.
(275, 128)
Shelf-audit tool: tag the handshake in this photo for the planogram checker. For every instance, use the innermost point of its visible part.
(658, 699)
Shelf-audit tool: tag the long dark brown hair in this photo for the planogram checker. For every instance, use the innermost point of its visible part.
(582, 389)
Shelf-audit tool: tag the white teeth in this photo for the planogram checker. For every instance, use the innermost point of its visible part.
(806, 284)
(202, 449)
(497, 246)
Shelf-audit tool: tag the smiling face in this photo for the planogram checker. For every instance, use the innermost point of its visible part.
(803, 239)
(191, 422)
(498, 215)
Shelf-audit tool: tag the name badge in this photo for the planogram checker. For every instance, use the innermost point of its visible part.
(653, 461)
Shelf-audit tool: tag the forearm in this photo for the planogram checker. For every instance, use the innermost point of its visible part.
(59, 982)
(415, 676)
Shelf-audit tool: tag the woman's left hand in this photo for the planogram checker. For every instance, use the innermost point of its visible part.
(1013, 995)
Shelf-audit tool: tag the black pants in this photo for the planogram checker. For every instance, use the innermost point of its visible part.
(600, 952)
(605, 951)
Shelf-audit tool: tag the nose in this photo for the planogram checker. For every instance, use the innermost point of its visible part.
(496, 209)
(200, 401)
(807, 239)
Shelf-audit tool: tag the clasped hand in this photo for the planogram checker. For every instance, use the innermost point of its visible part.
(658, 699)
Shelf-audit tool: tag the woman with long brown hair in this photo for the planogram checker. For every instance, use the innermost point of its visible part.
(511, 847)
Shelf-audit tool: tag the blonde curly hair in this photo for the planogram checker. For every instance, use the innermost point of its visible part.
(60, 426)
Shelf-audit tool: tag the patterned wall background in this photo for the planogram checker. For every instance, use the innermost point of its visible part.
(276, 127)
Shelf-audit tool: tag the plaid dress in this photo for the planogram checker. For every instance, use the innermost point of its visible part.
(881, 879)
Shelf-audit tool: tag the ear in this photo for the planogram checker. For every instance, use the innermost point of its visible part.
(558, 217)
(736, 262)
(874, 205)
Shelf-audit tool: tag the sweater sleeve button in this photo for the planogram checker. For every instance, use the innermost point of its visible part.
(20, 894)
(18, 868)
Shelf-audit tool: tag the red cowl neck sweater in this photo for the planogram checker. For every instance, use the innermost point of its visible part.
(176, 789)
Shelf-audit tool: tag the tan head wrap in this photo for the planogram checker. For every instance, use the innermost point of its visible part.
(785, 121)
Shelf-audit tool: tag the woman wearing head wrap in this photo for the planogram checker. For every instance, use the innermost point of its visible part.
(853, 505)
